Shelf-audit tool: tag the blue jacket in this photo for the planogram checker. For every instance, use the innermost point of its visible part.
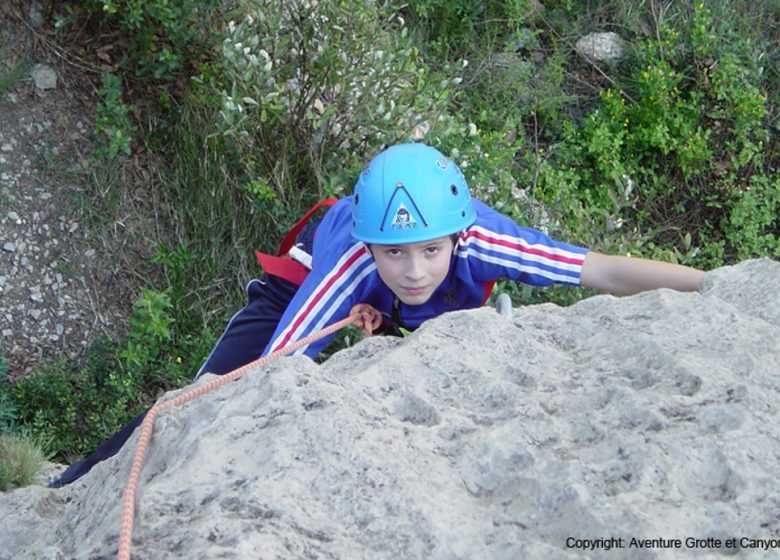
(344, 273)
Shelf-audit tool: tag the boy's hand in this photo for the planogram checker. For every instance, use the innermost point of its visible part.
(369, 318)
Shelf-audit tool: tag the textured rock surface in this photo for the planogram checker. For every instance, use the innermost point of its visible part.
(650, 417)
(600, 46)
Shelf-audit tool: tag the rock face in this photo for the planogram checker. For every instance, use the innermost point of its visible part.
(652, 418)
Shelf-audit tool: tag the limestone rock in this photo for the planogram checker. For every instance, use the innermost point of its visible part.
(44, 76)
(600, 46)
(478, 436)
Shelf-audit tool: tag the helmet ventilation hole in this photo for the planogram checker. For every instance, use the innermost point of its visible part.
(357, 198)
(454, 190)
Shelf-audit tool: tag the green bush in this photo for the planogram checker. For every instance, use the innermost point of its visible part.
(312, 88)
(113, 126)
(161, 39)
(75, 407)
(8, 410)
(450, 28)
(673, 161)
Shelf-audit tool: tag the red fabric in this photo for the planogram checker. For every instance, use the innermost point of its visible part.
(281, 265)
(289, 239)
(488, 290)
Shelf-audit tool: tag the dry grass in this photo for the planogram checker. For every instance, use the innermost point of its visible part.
(21, 461)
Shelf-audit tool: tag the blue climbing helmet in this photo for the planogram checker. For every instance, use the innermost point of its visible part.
(410, 193)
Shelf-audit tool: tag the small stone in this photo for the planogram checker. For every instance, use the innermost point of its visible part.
(44, 76)
(600, 46)
(14, 217)
(35, 314)
(9, 247)
(7, 333)
(36, 14)
(59, 329)
(7, 147)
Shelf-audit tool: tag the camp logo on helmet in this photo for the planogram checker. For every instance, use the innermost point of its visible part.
(403, 219)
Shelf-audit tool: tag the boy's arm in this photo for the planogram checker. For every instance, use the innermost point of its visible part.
(624, 276)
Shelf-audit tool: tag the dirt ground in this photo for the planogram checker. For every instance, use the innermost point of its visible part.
(66, 265)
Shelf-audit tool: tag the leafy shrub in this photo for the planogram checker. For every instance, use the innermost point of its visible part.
(8, 412)
(312, 88)
(450, 28)
(162, 39)
(672, 162)
(76, 408)
(113, 126)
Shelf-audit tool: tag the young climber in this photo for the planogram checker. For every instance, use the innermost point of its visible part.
(413, 244)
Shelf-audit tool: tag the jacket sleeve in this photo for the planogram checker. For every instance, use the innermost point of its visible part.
(339, 279)
(496, 247)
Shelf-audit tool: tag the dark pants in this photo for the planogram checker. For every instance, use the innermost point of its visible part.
(247, 334)
(250, 330)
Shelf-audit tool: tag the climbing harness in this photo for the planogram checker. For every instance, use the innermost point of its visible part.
(290, 262)
(362, 315)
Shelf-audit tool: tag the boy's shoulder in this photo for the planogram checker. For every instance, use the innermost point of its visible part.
(333, 238)
(491, 219)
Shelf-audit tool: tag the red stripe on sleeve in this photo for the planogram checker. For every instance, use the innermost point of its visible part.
(527, 250)
(313, 303)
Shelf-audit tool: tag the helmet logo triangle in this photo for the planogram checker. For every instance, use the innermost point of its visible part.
(402, 219)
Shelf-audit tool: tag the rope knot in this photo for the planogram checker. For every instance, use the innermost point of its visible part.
(366, 318)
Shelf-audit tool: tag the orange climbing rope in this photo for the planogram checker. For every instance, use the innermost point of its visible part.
(362, 315)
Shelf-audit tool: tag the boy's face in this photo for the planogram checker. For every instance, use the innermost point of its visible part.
(413, 271)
